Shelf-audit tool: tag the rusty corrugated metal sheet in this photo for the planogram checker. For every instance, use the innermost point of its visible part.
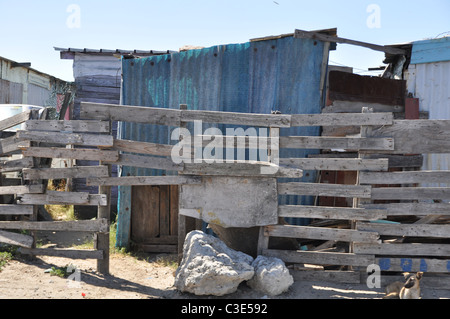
(353, 87)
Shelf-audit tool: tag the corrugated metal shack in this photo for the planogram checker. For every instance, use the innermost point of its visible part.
(98, 77)
(278, 73)
(21, 84)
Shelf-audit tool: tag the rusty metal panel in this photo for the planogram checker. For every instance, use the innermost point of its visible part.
(345, 86)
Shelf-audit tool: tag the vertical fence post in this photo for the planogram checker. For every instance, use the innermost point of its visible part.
(102, 239)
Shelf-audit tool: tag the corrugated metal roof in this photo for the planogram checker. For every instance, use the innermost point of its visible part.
(256, 77)
(115, 51)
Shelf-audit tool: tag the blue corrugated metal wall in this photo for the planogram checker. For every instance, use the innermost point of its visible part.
(256, 77)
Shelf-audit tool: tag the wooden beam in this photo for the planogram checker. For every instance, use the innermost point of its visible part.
(12, 144)
(406, 230)
(60, 173)
(320, 233)
(143, 180)
(14, 120)
(99, 225)
(418, 136)
(16, 239)
(407, 209)
(164, 163)
(68, 126)
(16, 165)
(65, 253)
(410, 193)
(342, 119)
(320, 258)
(339, 213)
(136, 114)
(346, 143)
(63, 198)
(236, 118)
(23, 189)
(407, 177)
(67, 138)
(314, 189)
(16, 210)
(338, 276)
(337, 164)
(241, 168)
(143, 147)
(438, 250)
(80, 154)
(301, 34)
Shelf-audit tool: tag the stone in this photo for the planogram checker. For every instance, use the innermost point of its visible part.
(271, 276)
(209, 267)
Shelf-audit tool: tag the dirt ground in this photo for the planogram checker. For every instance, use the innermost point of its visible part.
(145, 278)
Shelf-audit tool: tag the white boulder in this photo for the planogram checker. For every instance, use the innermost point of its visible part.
(209, 267)
(271, 276)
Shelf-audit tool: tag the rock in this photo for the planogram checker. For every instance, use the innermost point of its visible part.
(271, 276)
(209, 267)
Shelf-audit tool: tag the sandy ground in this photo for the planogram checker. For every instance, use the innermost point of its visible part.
(133, 278)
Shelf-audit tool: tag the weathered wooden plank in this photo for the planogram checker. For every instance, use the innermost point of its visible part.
(315, 189)
(320, 258)
(357, 106)
(14, 120)
(98, 225)
(413, 264)
(16, 165)
(347, 143)
(342, 119)
(16, 239)
(84, 139)
(328, 38)
(80, 154)
(65, 253)
(337, 164)
(406, 230)
(143, 161)
(16, 210)
(339, 276)
(143, 147)
(241, 168)
(65, 198)
(320, 233)
(124, 113)
(248, 119)
(22, 189)
(418, 136)
(407, 177)
(321, 212)
(403, 249)
(407, 209)
(68, 126)
(60, 173)
(143, 180)
(410, 193)
(12, 144)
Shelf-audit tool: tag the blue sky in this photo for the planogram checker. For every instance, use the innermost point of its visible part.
(31, 28)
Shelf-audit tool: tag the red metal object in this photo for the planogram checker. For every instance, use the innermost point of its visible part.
(411, 108)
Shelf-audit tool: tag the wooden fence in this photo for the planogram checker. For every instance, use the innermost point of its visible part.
(352, 238)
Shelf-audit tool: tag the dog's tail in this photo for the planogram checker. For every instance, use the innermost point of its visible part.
(392, 295)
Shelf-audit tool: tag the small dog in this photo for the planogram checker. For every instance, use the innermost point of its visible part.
(408, 290)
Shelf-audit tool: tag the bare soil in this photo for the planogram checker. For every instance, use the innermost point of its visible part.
(144, 278)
